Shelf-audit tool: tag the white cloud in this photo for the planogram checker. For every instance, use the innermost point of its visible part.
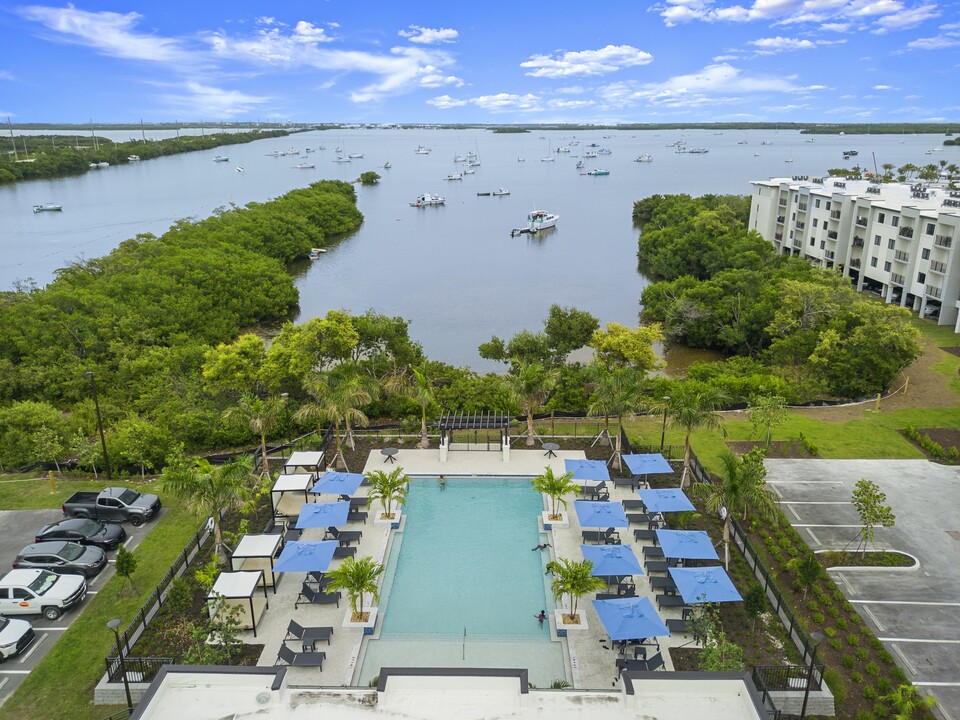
(725, 58)
(429, 36)
(501, 102)
(108, 32)
(305, 32)
(444, 102)
(774, 45)
(6, 75)
(937, 42)
(906, 19)
(837, 27)
(586, 62)
(884, 87)
(571, 90)
(212, 101)
(569, 104)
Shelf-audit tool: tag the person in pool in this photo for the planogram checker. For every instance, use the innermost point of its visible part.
(542, 546)
(443, 482)
(541, 617)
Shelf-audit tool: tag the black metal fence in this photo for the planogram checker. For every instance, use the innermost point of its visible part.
(767, 678)
(137, 669)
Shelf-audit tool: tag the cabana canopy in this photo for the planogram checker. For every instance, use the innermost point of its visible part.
(295, 483)
(647, 464)
(306, 556)
(323, 515)
(239, 589)
(256, 552)
(600, 514)
(686, 544)
(485, 420)
(338, 483)
(704, 584)
(308, 460)
(630, 618)
(666, 500)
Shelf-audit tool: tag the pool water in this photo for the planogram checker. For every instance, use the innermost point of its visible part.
(463, 584)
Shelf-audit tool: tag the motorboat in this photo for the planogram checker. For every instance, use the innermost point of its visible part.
(355, 155)
(598, 171)
(469, 171)
(541, 220)
(98, 165)
(547, 159)
(341, 159)
(473, 163)
(644, 158)
(47, 207)
(499, 192)
(387, 165)
(590, 154)
(604, 151)
(427, 200)
(421, 150)
(579, 164)
(455, 176)
(850, 153)
(562, 149)
(318, 251)
(239, 168)
(221, 158)
(133, 158)
(304, 166)
(459, 158)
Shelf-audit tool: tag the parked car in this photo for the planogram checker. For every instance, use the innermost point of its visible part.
(113, 504)
(15, 637)
(62, 557)
(40, 592)
(83, 531)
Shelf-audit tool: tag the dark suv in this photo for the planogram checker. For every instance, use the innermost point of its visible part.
(62, 557)
(83, 531)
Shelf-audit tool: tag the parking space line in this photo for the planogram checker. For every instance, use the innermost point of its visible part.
(814, 502)
(91, 582)
(92, 592)
(805, 482)
(794, 513)
(813, 537)
(903, 659)
(33, 649)
(938, 684)
(874, 618)
(14, 672)
(906, 602)
(828, 525)
(50, 629)
(919, 640)
(4, 682)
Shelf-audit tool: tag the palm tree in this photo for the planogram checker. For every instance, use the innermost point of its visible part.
(906, 699)
(259, 415)
(806, 570)
(418, 384)
(361, 389)
(741, 485)
(212, 490)
(336, 398)
(530, 383)
(357, 577)
(555, 487)
(618, 391)
(573, 579)
(692, 406)
(388, 489)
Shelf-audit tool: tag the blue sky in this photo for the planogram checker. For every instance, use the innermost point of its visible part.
(520, 61)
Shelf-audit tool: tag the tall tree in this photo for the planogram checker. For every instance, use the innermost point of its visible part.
(618, 391)
(389, 488)
(419, 385)
(767, 412)
(258, 414)
(211, 490)
(869, 502)
(335, 398)
(692, 406)
(530, 384)
(741, 486)
(573, 578)
(555, 487)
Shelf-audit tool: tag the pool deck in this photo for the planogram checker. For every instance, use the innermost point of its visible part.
(589, 656)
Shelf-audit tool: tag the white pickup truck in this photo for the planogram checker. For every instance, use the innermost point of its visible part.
(40, 592)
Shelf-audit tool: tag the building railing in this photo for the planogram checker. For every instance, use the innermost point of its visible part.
(862, 221)
(943, 241)
(901, 256)
(829, 254)
(778, 236)
(781, 218)
(138, 669)
(906, 232)
(801, 225)
(857, 241)
(938, 267)
(874, 189)
(834, 214)
(897, 279)
(933, 291)
(831, 234)
(778, 678)
(802, 207)
(855, 263)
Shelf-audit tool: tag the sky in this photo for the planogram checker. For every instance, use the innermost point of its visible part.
(525, 61)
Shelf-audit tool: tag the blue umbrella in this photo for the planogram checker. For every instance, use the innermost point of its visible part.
(322, 515)
(630, 618)
(705, 584)
(600, 514)
(648, 464)
(611, 560)
(587, 469)
(686, 544)
(665, 500)
(338, 483)
(306, 556)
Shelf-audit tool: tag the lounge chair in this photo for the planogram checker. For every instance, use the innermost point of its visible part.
(640, 518)
(357, 516)
(651, 551)
(600, 491)
(632, 482)
(634, 504)
(608, 537)
(344, 552)
(646, 535)
(318, 578)
(344, 537)
(670, 601)
(315, 597)
(679, 627)
(307, 635)
(665, 583)
(656, 566)
(302, 659)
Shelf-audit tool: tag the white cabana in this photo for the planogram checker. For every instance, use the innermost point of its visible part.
(257, 552)
(308, 460)
(239, 590)
(289, 493)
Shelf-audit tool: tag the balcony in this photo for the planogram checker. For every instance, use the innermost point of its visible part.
(857, 241)
(855, 263)
(938, 267)
(906, 232)
(832, 235)
(801, 225)
(780, 219)
(782, 203)
(901, 256)
(802, 207)
(932, 291)
(896, 279)
(862, 221)
(834, 214)
(873, 190)
(943, 241)
(797, 244)
(829, 254)
(778, 236)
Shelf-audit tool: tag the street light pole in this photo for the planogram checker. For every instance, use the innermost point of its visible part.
(113, 625)
(103, 440)
(663, 429)
(815, 638)
(286, 419)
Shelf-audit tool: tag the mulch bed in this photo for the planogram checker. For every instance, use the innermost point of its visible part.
(780, 449)
(952, 350)
(882, 558)
(945, 437)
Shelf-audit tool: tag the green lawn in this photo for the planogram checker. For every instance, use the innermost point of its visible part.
(62, 685)
(32, 492)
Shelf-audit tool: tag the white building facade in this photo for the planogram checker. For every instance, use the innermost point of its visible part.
(897, 240)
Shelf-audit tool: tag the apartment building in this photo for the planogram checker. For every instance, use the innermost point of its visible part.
(896, 240)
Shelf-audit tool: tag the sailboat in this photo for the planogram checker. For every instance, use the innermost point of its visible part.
(549, 157)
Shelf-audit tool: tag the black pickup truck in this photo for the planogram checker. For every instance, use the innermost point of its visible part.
(114, 504)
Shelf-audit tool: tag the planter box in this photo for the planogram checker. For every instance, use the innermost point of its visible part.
(549, 524)
(563, 628)
(393, 522)
(367, 626)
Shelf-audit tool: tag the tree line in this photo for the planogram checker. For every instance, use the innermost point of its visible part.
(787, 327)
(50, 156)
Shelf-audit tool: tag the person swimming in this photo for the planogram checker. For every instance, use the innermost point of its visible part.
(541, 617)
(543, 546)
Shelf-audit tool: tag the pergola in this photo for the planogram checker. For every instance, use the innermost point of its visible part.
(448, 423)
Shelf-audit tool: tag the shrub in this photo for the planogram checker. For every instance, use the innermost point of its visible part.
(847, 661)
(180, 594)
(899, 675)
(829, 632)
(833, 612)
(869, 692)
(876, 643)
(883, 685)
(862, 653)
(818, 618)
(863, 715)
(856, 677)
(886, 658)
(832, 678)
(853, 639)
(813, 606)
(841, 624)
(808, 444)
(786, 543)
(871, 668)
(838, 595)
(836, 643)
(880, 710)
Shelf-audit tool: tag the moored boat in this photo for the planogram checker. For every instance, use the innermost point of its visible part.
(221, 158)
(427, 199)
(355, 155)
(133, 158)
(644, 158)
(598, 171)
(387, 165)
(455, 176)
(47, 207)
(304, 166)
(421, 150)
(541, 220)
(500, 192)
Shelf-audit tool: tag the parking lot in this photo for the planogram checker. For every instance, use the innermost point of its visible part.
(916, 613)
(19, 527)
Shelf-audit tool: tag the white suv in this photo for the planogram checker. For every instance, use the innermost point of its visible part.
(15, 637)
(35, 592)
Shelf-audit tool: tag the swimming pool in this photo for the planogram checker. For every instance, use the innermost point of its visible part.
(463, 586)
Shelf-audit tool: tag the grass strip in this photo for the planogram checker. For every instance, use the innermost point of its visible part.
(32, 492)
(61, 686)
